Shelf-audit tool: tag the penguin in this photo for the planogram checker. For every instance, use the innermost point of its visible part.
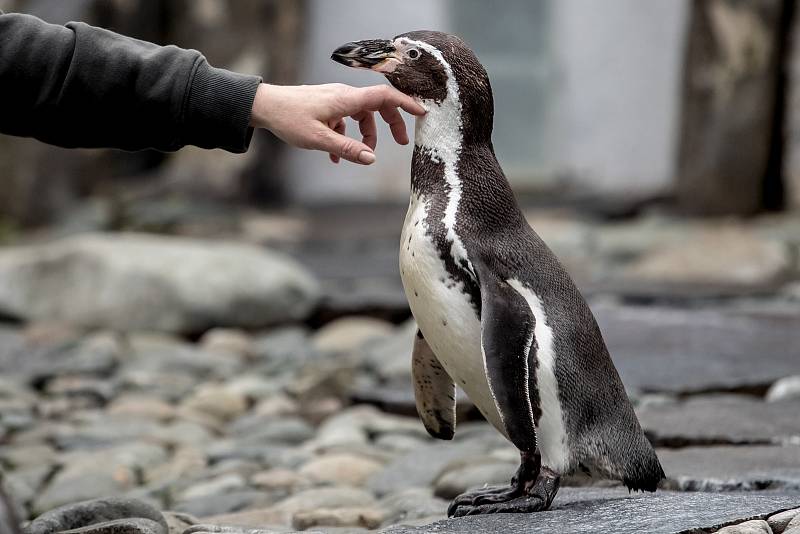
(497, 313)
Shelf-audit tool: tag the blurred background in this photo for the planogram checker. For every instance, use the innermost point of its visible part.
(246, 312)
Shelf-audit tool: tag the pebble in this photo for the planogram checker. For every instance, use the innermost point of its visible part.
(217, 401)
(369, 518)
(349, 333)
(230, 341)
(454, 482)
(794, 525)
(413, 503)
(784, 389)
(270, 429)
(279, 479)
(341, 469)
(276, 405)
(748, 527)
(779, 522)
(215, 486)
(145, 406)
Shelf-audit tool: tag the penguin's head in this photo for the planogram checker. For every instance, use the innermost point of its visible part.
(430, 66)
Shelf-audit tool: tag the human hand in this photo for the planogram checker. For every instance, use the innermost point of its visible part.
(312, 116)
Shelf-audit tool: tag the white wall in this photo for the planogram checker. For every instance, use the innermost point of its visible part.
(313, 178)
(617, 105)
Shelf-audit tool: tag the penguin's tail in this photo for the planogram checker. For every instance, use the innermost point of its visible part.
(644, 473)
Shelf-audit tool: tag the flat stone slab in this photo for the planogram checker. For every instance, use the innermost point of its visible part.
(689, 350)
(726, 468)
(588, 510)
(721, 419)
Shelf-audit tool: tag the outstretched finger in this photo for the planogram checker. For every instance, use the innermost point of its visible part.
(367, 127)
(339, 127)
(379, 96)
(344, 147)
(396, 124)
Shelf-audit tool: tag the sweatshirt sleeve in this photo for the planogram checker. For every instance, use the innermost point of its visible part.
(81, 86)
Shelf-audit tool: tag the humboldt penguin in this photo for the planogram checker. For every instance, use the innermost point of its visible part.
(497, 313)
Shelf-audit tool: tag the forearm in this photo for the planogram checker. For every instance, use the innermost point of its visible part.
(80, 86)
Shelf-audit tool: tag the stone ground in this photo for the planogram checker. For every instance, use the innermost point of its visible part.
(310, 425)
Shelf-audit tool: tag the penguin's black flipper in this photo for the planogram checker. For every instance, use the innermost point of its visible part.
(507, 339)
(434, 391)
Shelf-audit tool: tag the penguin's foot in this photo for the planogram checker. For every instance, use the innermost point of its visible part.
(519, 498)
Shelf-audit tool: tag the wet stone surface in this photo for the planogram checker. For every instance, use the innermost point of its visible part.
(580, 511)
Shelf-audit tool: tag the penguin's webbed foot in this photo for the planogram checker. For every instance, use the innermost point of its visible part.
(520, 497)
(519, 505)
(483, 496)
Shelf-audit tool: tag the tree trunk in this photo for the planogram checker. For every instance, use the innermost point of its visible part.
(730, 144)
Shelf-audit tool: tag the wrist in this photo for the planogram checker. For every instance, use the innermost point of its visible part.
(261, 112)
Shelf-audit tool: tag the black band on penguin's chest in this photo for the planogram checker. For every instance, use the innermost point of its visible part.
(428, 181)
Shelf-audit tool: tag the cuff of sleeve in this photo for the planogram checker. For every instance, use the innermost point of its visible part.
(218, 108)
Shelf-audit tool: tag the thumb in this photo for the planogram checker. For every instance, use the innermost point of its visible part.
(347, 148)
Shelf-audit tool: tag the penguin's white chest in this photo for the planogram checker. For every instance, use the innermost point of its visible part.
(443, 311)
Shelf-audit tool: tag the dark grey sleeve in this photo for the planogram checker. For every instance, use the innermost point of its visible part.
(81, 86)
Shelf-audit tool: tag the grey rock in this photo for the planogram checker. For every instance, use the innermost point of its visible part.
(216, 401)
(347, 334)
(97, 473)
(284, 348)
(276, 455)
(471, 474)
(102, 432)
(10, 512)
(725, 256)
(224, 503)
(721, 419)
(96, 355)
(177, 522)
(26, 483)
(410, 504)
(361, 516)
(793, 525)
(421, 467)
(230, 341)
(72, 485)
(166, 354)
(725, 468)
(784, 389)
(576, 511)
(755, 526)
(389, 357)
(86, 280)
(399, 443)
(345, 469)
(270, 429)
(134, 525)
(684, 350)
(230, 529)
(98, 511)
(283, 512)
(215, 486)
(779, 522)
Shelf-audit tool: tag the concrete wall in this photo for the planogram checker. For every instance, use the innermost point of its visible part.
(619, 70)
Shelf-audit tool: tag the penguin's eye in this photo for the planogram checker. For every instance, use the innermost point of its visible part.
(413, 53)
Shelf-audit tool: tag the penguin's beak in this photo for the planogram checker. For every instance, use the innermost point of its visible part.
(374, 54)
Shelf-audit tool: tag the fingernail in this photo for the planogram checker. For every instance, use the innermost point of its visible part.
(366, 157)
